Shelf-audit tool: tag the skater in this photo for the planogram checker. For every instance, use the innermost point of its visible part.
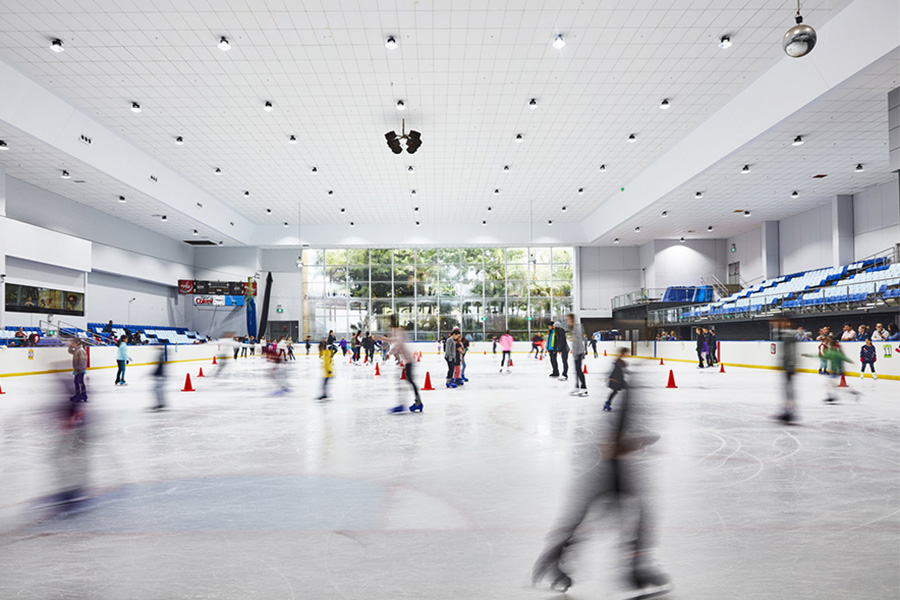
(159, 386)
(69, 455)
(451, 357)
(399, 348)
(122, 359)
(788, 364)
(494, 344)
(616, 378)
(506, 344)
(578, 349)
(562, 348)
(836, 359)
(79, 368)
(462, 363)
(245, 346)
(711, 359)
(331, 340)
(605, 480)
(369, 346)
(343, 346)
(552, 343)
(290, 349)
(701, 346)
(594, 346)
(308, 342)
(460, 356)
(868, 356)
(252, 343)
(327, 357)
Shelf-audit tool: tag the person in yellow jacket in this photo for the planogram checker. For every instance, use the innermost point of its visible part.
(326, 355)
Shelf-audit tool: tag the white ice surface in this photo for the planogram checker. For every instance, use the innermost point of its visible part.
(235, 493)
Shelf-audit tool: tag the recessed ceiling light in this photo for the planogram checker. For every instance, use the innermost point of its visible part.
(122, 200)
(664, 214)
(135, 107)
(218, 171)
(57, 46)
(410, 169)
(794, 194)
(616, 241)
(859, 168)
(268, 211)
(602, 168)
(3, 145)
(631, 138)
(637, 229)
(489, 209)
(483, 223)
(746, 169)
(580, 190)
(343, 210)
(199, 205)
(415, 209)
(681, 240)
(391, 43)
(331, 192)
(746, 213)
(710, 228)
(352, 224)
(664, 105)
(246, 192)
(519, 138)
(285, 223)
(798, 141)
(724, 42)
(564, 208)
(532, 104)
(412, 192)
(179, 141)
(65, 175)
(221, 243)
(418, 223)
(314, 170)
(698, 195)
(223, 44)
(292, 139)
(558, 42)
(506, 169)
(550, 222)
(401, 105)
(268, 106)
(163, 218)
(195, 232)
(231, 223)
(496, 192)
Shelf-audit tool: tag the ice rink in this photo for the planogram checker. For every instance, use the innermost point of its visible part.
(240, 494)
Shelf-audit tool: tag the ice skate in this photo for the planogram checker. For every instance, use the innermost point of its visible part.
(548, 575)
(417, 407)
(451, 384)
(607, 407)
(647, 581)
(563, 378)
(397, 409)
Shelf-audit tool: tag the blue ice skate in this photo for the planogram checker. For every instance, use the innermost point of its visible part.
(397, 409)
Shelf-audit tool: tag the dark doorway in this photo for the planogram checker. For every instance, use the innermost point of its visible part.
(283, 329)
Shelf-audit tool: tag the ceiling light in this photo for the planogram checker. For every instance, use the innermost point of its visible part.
(637, 229)
(416, 209)
(681, 240)
(179, 141)
(413, 141)
(602, 168)
(410, 169)
(195, 232)
(246, 192)
(496, 192)
(401, 105)
(65, 175)
(218, 171)
(489, 209)
(391, 43)
(268, 211)
(330, 192)
(352, 224)
(798, 141)
(163, 218)
(631, 138)
(268, 106)
(122, 200)
(746, 213)
(221, 243)
(418, 223)
(3, 145)
(343, 210)
(533, 104)
(724, 42)
(564, 208)
(794, 194)
(519, 138)
(412, 192)
(483, 223)
(506, 169)
(393, 142)
(698, 195)
(223, 44)
(292, 139)
(580, 190)
(664, 105)
(285, 223)
(559, 42)
(800, 39)
(710, 228)
(859, 168)
(746, 169)
(57, 46)
(664, 214)
(616, 241)
(314, 170)
(550, 222)
(135, 107)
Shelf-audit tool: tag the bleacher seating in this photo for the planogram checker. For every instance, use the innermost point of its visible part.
(846, 287)
(154, 335)
(703, 293)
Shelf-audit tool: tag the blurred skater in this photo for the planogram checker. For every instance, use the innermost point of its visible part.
(400, 349)
(616, 378)
(578, 350)
(327, 357)
(159, 382)
(79, 368)
(783, 333)
(605, 480)
(506, 344)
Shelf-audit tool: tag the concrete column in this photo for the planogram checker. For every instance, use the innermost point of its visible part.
(771, 250)
(842, 230)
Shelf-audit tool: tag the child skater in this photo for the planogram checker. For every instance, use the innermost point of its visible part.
(616, 378)
(868, 356)
(506, 344)
(397, 343)
(326, 355)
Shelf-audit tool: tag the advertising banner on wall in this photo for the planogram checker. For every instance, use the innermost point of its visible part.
(218, 300)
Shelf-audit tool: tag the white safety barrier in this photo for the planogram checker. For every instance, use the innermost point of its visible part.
(30, 361)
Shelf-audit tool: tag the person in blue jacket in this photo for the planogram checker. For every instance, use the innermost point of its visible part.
(122, 359)
(867, 356)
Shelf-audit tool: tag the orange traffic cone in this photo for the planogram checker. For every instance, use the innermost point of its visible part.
(661, 363)
(604, 353)
(427, 387)
(585, 370)
(403, 375)
(541, 358)
(214, 360)
(377, 370)
(1, 391)
(187, 384)
(200, 374)
(366, 359)
(843, 382)
(510, 360)
(671, 383)
(721, 367)
(419, 358)
(485, 352)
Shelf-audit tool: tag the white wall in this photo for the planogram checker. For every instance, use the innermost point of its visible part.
(154, 304)
(876, 219)
(604, 273)
(748, 251)
(682, 263)
(805, 240)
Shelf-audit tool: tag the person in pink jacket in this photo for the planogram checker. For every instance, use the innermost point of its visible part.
(506, 343)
